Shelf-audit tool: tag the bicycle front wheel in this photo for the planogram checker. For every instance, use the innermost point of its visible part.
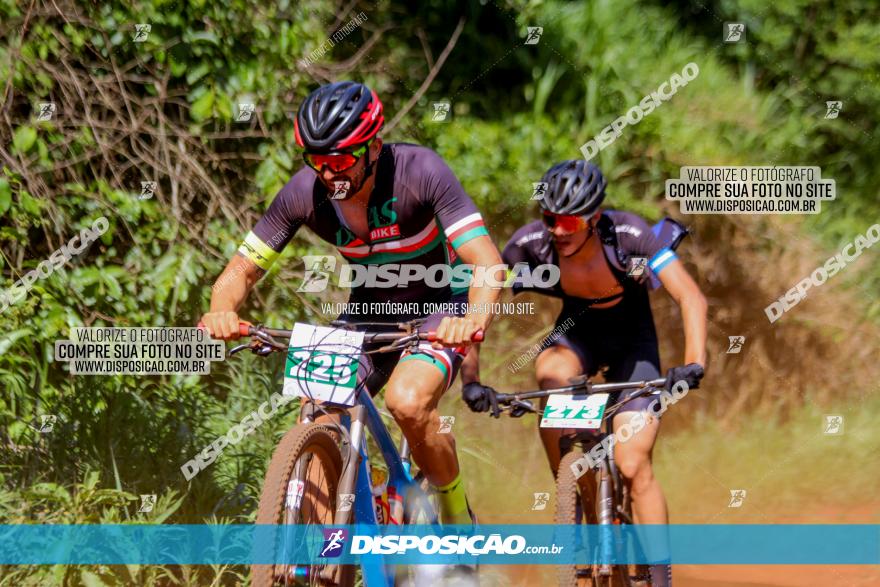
(300, 488)
(570, 511)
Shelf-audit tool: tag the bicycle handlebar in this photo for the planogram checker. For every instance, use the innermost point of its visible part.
(407, 333)
(583, 384)
(580, 384)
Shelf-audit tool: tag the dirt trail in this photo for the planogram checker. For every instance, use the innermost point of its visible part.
(740, 575)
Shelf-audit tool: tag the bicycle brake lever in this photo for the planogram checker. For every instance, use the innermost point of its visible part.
(263, 350)
(493, 403)
(238, 349)
(519, 407)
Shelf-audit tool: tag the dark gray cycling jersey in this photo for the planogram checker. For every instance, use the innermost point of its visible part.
(622, 234)
(418, 213)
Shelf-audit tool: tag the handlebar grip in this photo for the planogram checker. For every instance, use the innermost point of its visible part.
(244, 328)
(477, 336)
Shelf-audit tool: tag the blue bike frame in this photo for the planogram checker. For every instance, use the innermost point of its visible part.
(356, 479)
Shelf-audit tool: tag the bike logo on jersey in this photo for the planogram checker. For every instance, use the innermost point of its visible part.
(334, 542)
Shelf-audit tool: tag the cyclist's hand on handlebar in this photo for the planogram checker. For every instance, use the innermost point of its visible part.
(690, 374)
(455, 331)
(222, 325)
(477, 396)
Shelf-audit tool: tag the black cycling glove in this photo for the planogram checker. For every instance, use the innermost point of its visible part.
(690, 374)
(476, 396)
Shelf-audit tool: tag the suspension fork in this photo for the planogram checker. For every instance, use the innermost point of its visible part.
(605, 498)
(605, 515)
(351, 460)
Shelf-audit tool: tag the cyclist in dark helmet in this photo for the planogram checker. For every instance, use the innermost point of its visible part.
(335, 125)
(608, 261)
(380, 204)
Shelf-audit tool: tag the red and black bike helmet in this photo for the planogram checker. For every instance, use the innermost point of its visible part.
(338, 116)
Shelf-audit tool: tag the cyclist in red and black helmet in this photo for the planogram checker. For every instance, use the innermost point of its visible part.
(336, 120)
(379, 205)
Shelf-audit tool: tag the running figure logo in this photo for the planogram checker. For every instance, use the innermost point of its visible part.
(141, 32)
(534, 35)
(148, 190)
(737, 497)
(637, 266)
(340, 189)
(833, 424)
(833, 109)
(735, 31)
(346, 500)
(541, 501)
(441, 111)
(245, 111)
(446, 423)
(736, 344)
(540, 189)
(317, 275)
(148, 502)
(47, 109)
(334, 540)
(47, 423)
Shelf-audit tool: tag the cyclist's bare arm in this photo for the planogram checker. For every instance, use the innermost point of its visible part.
(470, 366)
(479, 252)
(228, 294)
(685, 291)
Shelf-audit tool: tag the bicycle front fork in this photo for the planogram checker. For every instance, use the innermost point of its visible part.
(605, 515)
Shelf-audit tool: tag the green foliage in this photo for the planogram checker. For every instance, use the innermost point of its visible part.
(162, 109)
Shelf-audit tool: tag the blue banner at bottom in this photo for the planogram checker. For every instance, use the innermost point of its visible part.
(500, 544)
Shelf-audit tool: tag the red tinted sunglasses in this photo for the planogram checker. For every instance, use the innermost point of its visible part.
(335, 161)
(565, 222)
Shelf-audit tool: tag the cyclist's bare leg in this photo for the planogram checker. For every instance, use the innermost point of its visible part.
(633, 459)
(553, 368)
(412, 395)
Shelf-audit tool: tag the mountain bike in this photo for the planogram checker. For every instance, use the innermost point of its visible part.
(578, 501)
(321, 471)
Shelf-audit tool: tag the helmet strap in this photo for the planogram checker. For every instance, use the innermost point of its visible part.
(368, 171)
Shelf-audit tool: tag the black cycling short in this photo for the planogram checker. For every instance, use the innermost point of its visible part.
(621, 338)
(376, 368)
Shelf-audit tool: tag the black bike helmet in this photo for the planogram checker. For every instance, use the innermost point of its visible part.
(574, 187)
(336, 116)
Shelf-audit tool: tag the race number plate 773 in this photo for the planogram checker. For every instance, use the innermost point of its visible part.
(574, 411)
